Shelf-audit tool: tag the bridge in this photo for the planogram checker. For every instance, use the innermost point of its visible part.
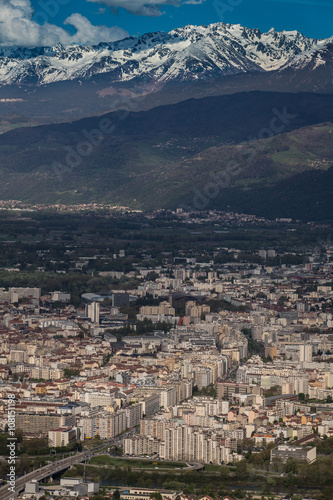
(42, 473)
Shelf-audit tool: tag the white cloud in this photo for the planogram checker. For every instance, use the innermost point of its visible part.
(18, 28)
(150, 8)
(194, 2)
(88, 33)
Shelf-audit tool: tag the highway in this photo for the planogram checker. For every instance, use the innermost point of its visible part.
(42, 473)
(55, 467)
(58, 466)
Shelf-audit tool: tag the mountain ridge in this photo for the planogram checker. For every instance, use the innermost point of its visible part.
(156, 158)
(183, 54)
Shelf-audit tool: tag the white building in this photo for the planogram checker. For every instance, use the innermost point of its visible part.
(61, 436)
(305, 353)
(92, 312)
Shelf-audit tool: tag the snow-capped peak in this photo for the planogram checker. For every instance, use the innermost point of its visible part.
(187, 53)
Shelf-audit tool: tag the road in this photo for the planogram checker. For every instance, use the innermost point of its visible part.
(43, 472)
(55, 467)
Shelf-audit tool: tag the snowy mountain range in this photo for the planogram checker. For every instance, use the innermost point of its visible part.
(185, 54)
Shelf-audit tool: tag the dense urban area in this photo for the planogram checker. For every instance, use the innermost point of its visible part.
(169, 355)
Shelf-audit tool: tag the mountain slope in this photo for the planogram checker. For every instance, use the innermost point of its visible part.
(49, 84)
(158, 158)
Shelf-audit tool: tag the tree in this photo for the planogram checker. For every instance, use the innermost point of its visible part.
(241, 469)
(157, 495)
(289, 482)
(239, 493)
(116, 495)
(68, 373)
(327, 493)
(152, 276)
(329, 399)
(291, 465)
(282, 300)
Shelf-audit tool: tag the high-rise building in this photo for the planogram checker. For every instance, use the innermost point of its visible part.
(92, 312)
(305, 353)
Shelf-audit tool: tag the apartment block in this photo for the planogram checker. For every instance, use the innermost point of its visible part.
(283, 452)
(62, 436)
(34, 423)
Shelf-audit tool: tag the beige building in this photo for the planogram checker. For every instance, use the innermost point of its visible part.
(163, 309)
(195, 311)
(62, 436)
(271, 351)
(38, 424)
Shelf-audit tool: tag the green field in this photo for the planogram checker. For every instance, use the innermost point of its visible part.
(213, 468)
(293, 157)
(135, 463)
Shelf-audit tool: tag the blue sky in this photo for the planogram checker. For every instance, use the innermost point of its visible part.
(22, 22)
(311, 17)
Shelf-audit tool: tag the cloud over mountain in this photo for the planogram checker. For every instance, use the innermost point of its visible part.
(18, 28)
(151, 8)
(184, 54)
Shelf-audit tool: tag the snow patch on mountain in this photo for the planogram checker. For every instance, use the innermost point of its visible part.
(187, 53)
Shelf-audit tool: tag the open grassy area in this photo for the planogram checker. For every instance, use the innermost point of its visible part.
(6, 126)
(102, 460)
(292, 156)
(144, 464)
(213, 468)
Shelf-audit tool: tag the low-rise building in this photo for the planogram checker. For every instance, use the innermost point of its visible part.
(283, 452)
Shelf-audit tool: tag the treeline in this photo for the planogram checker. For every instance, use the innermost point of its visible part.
(74, 283)
(190, 482)
(210, 390)
(233, 481)
(217, 305)
(35, 446)
(140, 328)
(254, 347)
